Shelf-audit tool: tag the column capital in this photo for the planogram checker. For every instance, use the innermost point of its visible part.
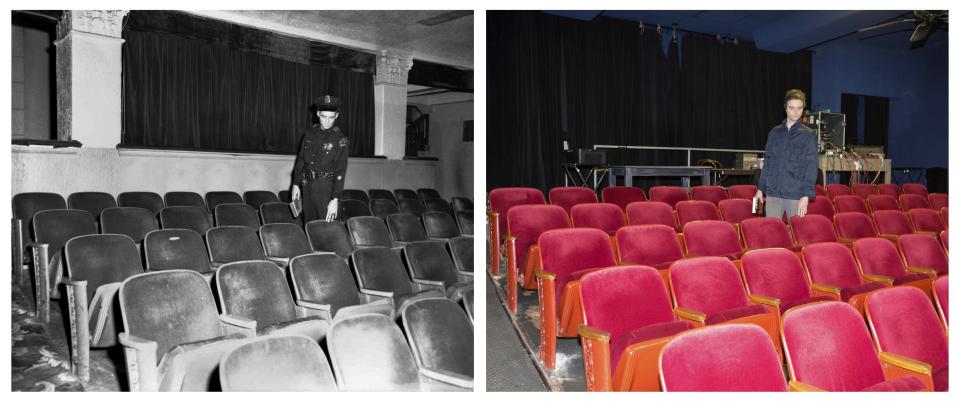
(108, 23)
(392, 68)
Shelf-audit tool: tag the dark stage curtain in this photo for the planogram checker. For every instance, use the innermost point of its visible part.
(191, 94)
(601, 82)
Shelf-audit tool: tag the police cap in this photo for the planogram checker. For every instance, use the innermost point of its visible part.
(327, 103)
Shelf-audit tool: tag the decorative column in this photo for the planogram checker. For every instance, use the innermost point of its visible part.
(88, 77)
(390, 104)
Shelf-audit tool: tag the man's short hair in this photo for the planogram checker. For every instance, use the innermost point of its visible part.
(794, 94)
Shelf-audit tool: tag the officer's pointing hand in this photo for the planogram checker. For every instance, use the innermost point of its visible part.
(295, 193)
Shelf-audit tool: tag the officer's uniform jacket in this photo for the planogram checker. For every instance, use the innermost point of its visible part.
(322, 155)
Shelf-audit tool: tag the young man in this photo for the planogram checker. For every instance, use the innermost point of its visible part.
(321, 163)
(790, 162)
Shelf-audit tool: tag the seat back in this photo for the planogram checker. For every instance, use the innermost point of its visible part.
(412, 206)
(527, 222)
(879, 256)
(381, 194)
(911, 201)
(380, 269)
(834, 190)
(713, 194)
(428, 194)
(744, 191)
(405, 194)
(812, 228)
(854, 225)
(368, 232)
(501, 199)
(283, 196)
(256, 198)
(892, 190)
(368, 353)
(215, 198)
(921, 250)
(226, 244)
(277, 363)
(185, 217)
(325, 279)
(151, 302)
(56, 227)
(877, 202)
(821, 206)
(230, 214)
(27, 204)
(602, 216)
(438, 205)
(706, 284)
(735, 210)
(668, 194)
(134, 222)
(465, 222)
(905, 322)
(169, 249)
(440, 335)
(776, 273)
(941, 297)
(722, 358)
(183, 199)
(914, 188)
(938, 200)
(354, 194)
(102, 259)
(91, 201)
(850, 203)
(819, 190)
(329, 236)
(694, 210)
(440, 225)
(925, 220)
(462, 204)
(609, 293)
(711, 238)
(567, 197)
(429, 260)
(567, 251)
(848, 363)
(892, 222)
(257, 290)
(381, 208)
(621, 196)
(278, 213)
(945, 215)
(284, 240)
(650, 213)
(649, 245)
(405, 228)
(759, 233)
(461, 249)
(832, 264)
(863, 190)
(353, 208)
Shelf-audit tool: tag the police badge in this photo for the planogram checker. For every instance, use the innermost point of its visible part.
(328, 146)
(343, 142)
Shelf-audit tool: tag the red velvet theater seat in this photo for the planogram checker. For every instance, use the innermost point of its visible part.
(941, 298)
(892, 223)
(863, 190)
(775, 278)
(651, 212)
(722, 358)
(945, 216)
(923, 253)
(709, 291)
(828, 348)
(657, 246)
(735, 210)
(880, 261)
(668, 194)
(762, 233)
(925, 220)
(854, 225)
(567, 197)
(836, 190)
(892, 190)
(877, 202)
(821, 206)
(499, 201)
(713, 194)
(911, 201)
(621, 340)
(712, 238)
(688, 211)
(525, 224)
(938, 200)
(905, 323)
(812, 229)
(914, 188)
(622, 196)
(566, 254)
(832, 269)
(602, 216)
(850, 203)
(744, 191)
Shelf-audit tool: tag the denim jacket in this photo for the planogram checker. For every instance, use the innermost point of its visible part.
(790, 163)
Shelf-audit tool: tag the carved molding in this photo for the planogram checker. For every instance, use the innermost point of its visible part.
(392, 69)
(100, 22)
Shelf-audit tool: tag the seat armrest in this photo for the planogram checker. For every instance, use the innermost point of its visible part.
(307, 307)
(448, 377)
(896, 366)
(236, 323)
(878, 278)
(627, 264)
(889, 236)
(825, 288)
(589, 332)
(386, 294)
(922, 270)
(691, 315)
(846, 241)
(279, 260)
(797, 386)
(544, 275)
(141, 358)
(435, 283)
(765, 300)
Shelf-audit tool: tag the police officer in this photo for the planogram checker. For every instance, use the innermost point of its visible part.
(321, 163)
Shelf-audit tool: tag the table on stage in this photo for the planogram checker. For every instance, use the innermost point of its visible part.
(684, 172)
(835, 163)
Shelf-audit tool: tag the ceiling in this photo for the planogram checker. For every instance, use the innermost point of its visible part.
(446, 41)
(780, 30)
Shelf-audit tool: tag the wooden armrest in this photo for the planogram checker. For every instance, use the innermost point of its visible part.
(387, 294)
(313, 305)
(847, 241)
(889, 236)
(276, 259)
(448, 377)
(628, 264)
(238, 321)
(797, 386)
(428, 282)
(690, 314)
(922, 270)
(137, 343)
(825, 288)
(141, 358)
(589, 332)
(878, 278)
(545, 275)
(73, 283)
(906, 363)
(765, 300)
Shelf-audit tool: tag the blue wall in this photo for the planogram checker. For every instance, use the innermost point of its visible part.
(914, 80)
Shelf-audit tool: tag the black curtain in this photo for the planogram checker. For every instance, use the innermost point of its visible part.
(601, 82)
(876, 116)
(850, 106)
(192, 94)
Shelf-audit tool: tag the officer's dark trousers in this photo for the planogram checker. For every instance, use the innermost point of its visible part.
(316, 195)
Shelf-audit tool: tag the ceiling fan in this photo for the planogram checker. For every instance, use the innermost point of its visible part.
(925, 22)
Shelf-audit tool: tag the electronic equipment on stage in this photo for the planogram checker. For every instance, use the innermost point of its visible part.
(586, 157)
(746, 161)
(830, 128)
